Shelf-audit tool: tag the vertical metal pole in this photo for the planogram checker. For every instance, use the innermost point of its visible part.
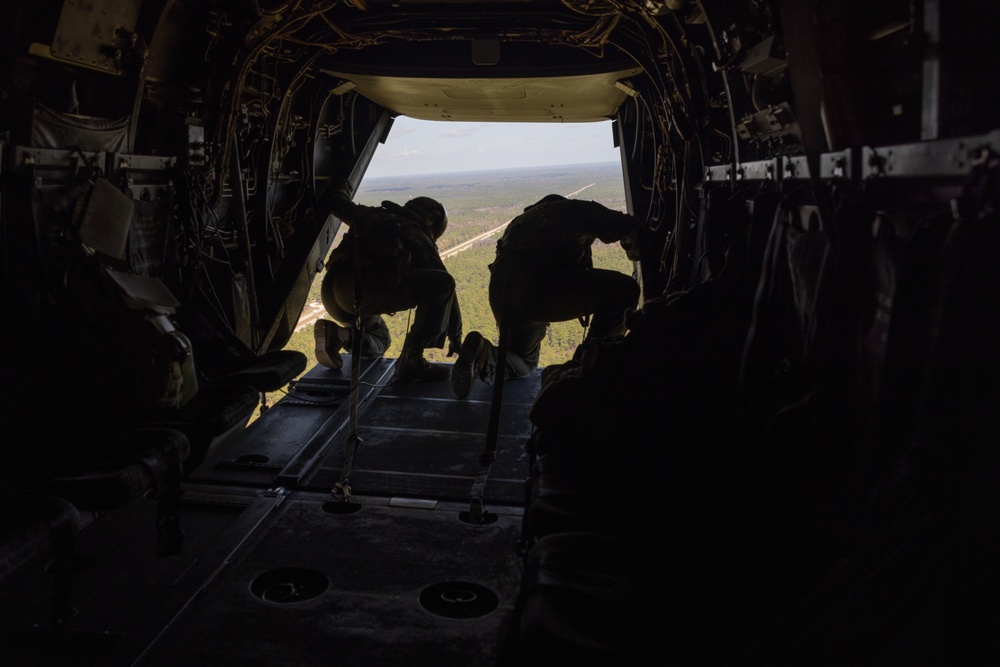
(496, 405)
(240, 206)
(352, 432)
(930, 119)
(488, 455)
(343, 488)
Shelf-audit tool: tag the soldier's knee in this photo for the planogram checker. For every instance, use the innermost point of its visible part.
(444, 283)
(626, 291)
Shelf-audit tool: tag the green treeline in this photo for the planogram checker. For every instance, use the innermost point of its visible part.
(479, 202)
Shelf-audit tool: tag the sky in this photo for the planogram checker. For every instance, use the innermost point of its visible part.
(434, 147)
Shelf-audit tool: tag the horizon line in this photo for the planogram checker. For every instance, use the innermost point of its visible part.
(476, 171)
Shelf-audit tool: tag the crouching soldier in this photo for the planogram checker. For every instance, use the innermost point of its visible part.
(393, 250)
(544, 263)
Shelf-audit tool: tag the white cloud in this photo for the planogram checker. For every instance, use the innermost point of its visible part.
(459, 132)
(415, 153)
(431, 147)
(404, 154)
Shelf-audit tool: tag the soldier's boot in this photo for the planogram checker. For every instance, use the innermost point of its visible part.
(412, 366)
(469, 365)
(330, 339)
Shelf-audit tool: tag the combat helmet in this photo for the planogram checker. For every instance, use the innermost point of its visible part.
(432, 212)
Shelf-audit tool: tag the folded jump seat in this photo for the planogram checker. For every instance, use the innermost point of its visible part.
(102, 472)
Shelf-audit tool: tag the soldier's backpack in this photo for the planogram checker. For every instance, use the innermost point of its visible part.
(380, 248)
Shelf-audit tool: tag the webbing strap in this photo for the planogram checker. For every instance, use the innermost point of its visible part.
(342, 489)
(488, 455)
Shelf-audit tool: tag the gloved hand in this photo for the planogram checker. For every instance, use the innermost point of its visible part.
(634, 242)
(454, 345)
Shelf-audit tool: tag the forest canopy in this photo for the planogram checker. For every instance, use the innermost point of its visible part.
(479, 202)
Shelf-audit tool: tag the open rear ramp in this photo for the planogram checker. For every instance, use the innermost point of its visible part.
(277, 571)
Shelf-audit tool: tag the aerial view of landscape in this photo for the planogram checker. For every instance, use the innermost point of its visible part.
(479, 205)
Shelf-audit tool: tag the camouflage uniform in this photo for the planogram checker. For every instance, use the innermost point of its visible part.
(544, 262)
(401, 269)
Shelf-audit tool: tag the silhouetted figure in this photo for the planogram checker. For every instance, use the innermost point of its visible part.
(393, 248)
(544, 263)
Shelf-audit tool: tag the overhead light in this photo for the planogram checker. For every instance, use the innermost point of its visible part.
(485, 51)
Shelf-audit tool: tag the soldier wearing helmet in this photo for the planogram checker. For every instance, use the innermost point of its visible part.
(394, 251)
(543, 272)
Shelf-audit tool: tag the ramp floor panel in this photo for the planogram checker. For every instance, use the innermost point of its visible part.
(404, 577)
(376, 596)
(418, 439)
(315, 408)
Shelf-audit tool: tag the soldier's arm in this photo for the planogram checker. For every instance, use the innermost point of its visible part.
(611, 226)
(422, 247)
(346, 210)
(592, 220)
(337, 200)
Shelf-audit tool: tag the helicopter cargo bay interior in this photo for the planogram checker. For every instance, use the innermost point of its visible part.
(790, 457)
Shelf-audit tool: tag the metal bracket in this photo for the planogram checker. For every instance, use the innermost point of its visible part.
(476, 511)
(341, 492)
(927, 159)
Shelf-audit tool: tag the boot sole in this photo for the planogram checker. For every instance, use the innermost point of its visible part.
(463, 375)
(320, 334)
